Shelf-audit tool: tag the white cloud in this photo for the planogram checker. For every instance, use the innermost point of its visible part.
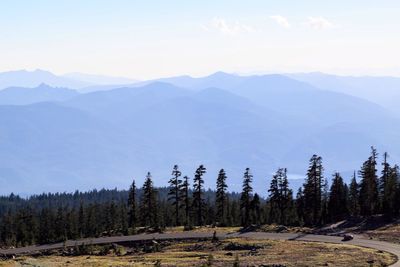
(319, 23)
(228, 28)
(282, 21)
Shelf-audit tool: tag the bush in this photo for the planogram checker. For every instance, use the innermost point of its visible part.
(104, 250)
(132, 231)
(119, 250)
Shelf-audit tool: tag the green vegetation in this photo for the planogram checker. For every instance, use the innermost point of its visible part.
(57, 217)
(221, 198)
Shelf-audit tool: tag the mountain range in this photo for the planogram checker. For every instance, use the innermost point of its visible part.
(56, 135)
(74, 80)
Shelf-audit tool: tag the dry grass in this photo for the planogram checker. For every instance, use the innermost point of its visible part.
(390, 233)
(203, 229)
(274, 228)
(257, 252)
(270, 228)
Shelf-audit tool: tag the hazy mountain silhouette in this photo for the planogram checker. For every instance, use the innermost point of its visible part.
(382, 90)
(64, 138)
(106, 138)
(219, 79)
(41, 93)
(23, 78)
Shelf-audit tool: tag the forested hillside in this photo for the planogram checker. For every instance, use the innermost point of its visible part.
(56, 217)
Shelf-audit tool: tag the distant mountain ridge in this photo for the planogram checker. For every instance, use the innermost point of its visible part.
(75, 80)
(61, 140)
(382, 90)
(41, 93)
(23, 78)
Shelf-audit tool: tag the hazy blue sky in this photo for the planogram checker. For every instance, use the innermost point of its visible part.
(145, 39)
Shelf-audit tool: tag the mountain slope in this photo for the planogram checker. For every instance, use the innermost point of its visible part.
(41, 93)
(382, 90)
(218, 80)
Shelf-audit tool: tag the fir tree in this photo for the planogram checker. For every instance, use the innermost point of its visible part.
(123, 219)
(91, 223)
(280, 196)
(286, 196)
(148, 206)
(31, 226)
(221, 197)
(354, 197)
(185, 199)
(274, 198)
(313, 189)
(385, 174)
(111, 215)
(369, 198)
(388, 185)
(198, 201)
(59, 224)
(337, 207)
(245, 197)
(255, 206)
(235, 212)
(324, 202)
(132, 217)
(209, 212)
(8, 237)
(81, 220)
(390, 192)
(46, 227)
(229, 219)
(173, 194)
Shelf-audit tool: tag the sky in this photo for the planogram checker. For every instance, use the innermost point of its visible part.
(151, 39)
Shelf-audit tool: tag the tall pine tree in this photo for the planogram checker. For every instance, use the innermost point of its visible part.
(280, 196)
(221, 197)
(388, 186)
(148, 204)
(173, 194)
(369, 198)
(185, 199)
(313, 190)
(198, 200)
(390, 192)
(245, 197)
(337, 206)
(354, 197)
(132, 217)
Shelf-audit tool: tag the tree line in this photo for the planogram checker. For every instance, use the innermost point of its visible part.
(56, 217)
